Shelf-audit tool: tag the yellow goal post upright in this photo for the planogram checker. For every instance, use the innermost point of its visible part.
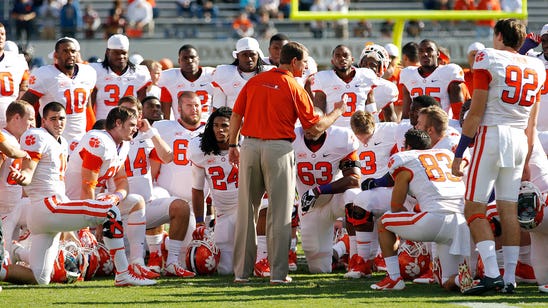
(401, 16)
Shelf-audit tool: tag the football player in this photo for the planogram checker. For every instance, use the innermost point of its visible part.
(117, 77)
(190, 76)
(327, 166)
(209, 156)
(330, 86)
(15, 74)
(53, 212)
(67, 82)
(424, 174)
(147, 145)
(229, 79)
(430, 78)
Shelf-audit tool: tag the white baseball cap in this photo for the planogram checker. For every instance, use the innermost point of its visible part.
(247, 43)
(392, 50)
(136, 59)
(544, 30)
(475, 46)
(118, 41)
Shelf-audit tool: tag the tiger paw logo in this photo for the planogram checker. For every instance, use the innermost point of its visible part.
(94, 142)
(210, 263)
(30, 140)
(32, 80)
(479, 56)
(73, 145)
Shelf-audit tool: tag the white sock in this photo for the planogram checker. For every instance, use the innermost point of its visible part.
(135, 232)
(174, 248)
(339, 248)
(511, 254)
(393, 267)
(154, 243)
(262, 252)
(488, 255)
(353, 246)
(525, 254)
(117, 253)
(363, 244)
(293, 244)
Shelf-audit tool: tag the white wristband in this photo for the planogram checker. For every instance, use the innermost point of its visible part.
(150, 133)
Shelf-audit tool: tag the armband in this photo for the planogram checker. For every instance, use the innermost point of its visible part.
(346, 164)
(464, 142)
(199, 219)
(325, 189)
(119, 195)
(233, 145)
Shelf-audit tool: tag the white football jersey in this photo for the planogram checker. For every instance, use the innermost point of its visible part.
(322, 167)
(436, 84)
(176, 177)
(108, 158)
(515, 81)
(542, 121)
(173, 83)
(450, 141)
(335, 88)
(432, 181)
(221, 175)
(111, 86)
(10, 191)
(13, 70)
(375, 154)
(51, 85)
(228, 80)
(403, 127)
(49, 175)
(137, 166)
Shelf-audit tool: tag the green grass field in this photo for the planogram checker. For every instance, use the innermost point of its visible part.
(328, 290)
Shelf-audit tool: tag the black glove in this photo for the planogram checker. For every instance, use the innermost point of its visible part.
(308, 200)
(368, 184)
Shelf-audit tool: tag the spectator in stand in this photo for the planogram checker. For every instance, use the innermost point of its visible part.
(209, 11)
(484, 28)
(436, 4)
(70, 19)
(49, 15)
(187, 8)
(139, 17)
(463, 5)
(24, 15)
(155, 10)
(511, 5)
(242, 26)
(317, 26)
(271, 7)
(285, 8)
(340, 26)
(92, 21)
(363, 29)
(413, 28)
(386, 29)
(116, 21)
(265, 27)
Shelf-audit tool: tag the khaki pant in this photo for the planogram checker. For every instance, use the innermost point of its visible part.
(265, 165)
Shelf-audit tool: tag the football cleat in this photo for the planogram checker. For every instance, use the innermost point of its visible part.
(379, 264)
(241, 280)
(525, 273)
(129, 279)
(176, 270)
(485, 284)
(155, 262)
(543, 288)
(388, 284)
(358, 268)
(426, 278)
(262, 268)
(143, 271)
(292, 260)
(509, 288)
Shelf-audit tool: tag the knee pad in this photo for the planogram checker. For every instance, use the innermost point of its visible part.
(356, 215)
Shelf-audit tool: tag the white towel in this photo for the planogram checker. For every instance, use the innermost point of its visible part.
(461, 241)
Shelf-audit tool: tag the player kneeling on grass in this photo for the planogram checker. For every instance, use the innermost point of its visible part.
(53, 212)
(424, 173)
(327, 167)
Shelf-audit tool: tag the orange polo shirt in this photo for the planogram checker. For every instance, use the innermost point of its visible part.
(271, 103)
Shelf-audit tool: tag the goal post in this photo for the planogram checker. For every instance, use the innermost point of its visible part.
(401, 16)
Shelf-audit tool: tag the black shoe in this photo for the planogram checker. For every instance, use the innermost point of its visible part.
(486, 284)
(509, 288)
